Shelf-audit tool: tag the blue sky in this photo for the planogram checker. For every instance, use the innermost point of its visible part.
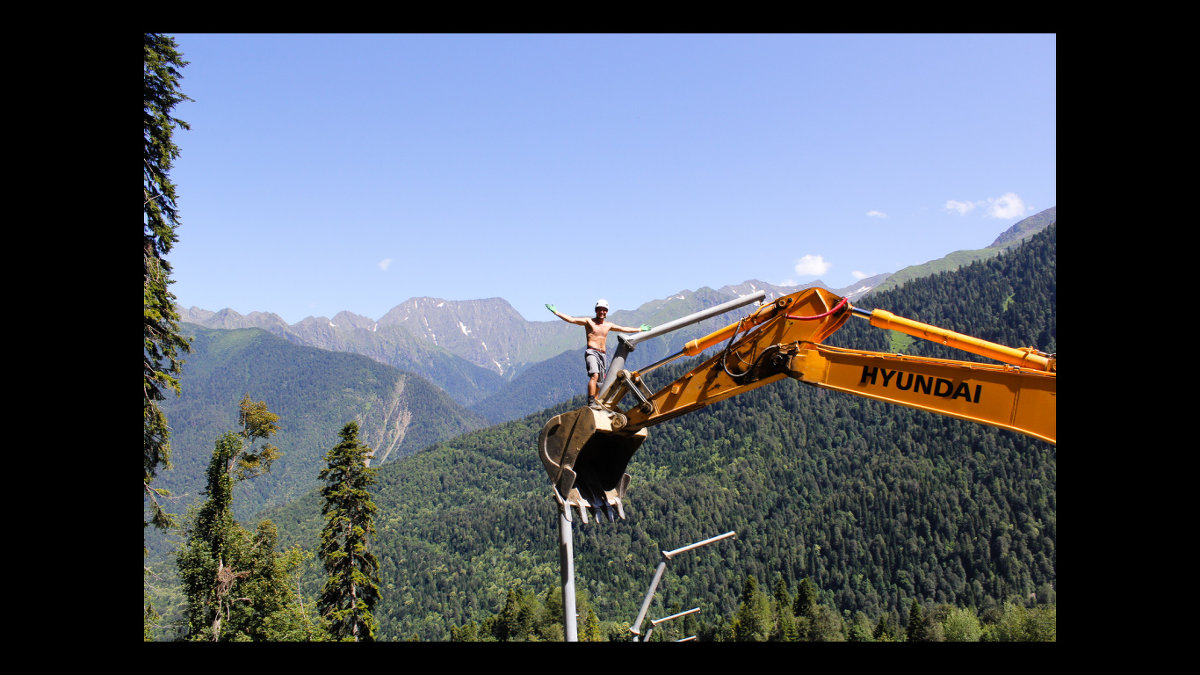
(351, 172)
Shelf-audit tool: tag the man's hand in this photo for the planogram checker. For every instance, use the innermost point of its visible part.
(645, 327)
(551, 308)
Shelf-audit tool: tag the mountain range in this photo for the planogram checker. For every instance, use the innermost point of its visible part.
(488, 357)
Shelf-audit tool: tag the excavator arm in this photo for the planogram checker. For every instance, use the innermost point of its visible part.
(586, 451)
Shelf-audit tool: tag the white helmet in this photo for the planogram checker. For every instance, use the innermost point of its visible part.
(601, 303)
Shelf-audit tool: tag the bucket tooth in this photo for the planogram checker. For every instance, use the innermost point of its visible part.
(586, 460)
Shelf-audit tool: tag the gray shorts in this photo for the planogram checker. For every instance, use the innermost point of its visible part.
(594, 359)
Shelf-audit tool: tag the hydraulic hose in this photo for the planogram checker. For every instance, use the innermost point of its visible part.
(819, 316)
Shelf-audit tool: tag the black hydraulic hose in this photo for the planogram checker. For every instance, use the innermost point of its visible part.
(725, 354)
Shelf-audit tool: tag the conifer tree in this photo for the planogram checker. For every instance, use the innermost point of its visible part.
(753, 621)
(352, 572)
(518, 620)
(917, 623)
(162, 342)
(591, 627)
(231, 578)
(859, 629)
(469, 632)
(806, 599)
(885, 629)
(785, 620)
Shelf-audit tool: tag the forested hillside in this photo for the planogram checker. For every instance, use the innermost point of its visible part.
(314, 392)
(877, 505)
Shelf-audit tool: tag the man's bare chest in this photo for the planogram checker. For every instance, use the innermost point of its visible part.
(597, 329)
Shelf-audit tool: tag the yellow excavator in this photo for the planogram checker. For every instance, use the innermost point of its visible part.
(586, 451)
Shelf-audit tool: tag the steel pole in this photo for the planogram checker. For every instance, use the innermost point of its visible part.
(671, 554)
(637, 624)
(703, 314)
(654, 622)
(667, 555)
(566, 556)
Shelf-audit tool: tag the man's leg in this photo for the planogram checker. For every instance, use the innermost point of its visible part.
(595, 366)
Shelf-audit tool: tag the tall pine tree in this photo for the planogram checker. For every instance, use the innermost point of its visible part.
(162, 342)
(352, 573)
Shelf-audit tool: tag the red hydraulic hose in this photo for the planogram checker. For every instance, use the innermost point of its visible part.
(818, 316)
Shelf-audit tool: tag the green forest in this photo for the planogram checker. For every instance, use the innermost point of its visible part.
(894, 524)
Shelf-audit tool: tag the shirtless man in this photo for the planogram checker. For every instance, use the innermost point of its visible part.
(597, 329)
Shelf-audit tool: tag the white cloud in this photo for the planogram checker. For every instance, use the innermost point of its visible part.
(961, 208)
(876, 214)
(859, 275)
(1009, 205)
(383, 264)
(812, 265)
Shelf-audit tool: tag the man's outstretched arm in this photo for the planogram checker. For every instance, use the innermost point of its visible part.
(626, 329)
(569, 319)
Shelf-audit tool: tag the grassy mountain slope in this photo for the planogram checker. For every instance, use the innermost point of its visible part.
(877, 504)
(952, 261)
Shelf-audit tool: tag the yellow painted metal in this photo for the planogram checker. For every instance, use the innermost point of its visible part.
(728, 373)
(765, 312)
(1007, 397)
(1027, 358)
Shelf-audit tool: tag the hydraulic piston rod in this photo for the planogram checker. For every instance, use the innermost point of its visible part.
(1027, 358)
(627, 345)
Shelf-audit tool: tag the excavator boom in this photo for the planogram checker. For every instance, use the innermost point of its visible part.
(586, 451)
(1001, 396)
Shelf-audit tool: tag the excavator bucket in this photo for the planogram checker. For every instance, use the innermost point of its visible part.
(586, 459)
